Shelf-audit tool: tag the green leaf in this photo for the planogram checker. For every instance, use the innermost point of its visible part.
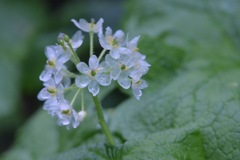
(172, 144)
(203, 93)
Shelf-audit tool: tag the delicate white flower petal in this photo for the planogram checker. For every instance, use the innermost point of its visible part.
(137, 93)
(84, 25)
(132, 45)
(83, 68)
(93, 62)
(58, 77)
(103, 79)
(82, 81)
(135, 75)
(124, 81)
(119, 35)
(108, 32)
(76, 23)
(64, 106)
(64, 119)
(63, 58)
(50, 53)
(66, 82)
(77, 40)
(98, 26)
(75, 119)
(111, 62)
(143, 84)
(44, 94)
(115, 72)
(93, 87)
(45, 75)
(115, 53)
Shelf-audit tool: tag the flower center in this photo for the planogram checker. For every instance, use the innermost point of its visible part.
(114, 42)
(67, 112)
(51, 63)
(52, 90)
(123, 67)
(93, 73)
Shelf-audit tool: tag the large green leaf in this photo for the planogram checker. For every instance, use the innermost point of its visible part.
(202, 96)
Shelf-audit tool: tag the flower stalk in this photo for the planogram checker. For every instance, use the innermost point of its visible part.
(102, 121)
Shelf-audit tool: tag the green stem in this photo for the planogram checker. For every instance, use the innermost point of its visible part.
(101, 54)
(91, 42)
(75, 96)
(82, 99)
(102, 122)
(69, 74)
(74, 56)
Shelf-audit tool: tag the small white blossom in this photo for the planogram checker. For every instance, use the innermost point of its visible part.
(76, 40)
(67, 116)
(92, 75)
(137, 86)
(120, 69)
(140, 67)
(56, 58)
(113, 42)
(89, 27)
(51, 90)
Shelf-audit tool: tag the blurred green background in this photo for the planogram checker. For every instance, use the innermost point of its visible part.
(26, 27)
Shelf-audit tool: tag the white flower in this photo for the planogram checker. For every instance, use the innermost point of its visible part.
(140, 67)
(89, 27)
(137, 86)
(120, 69)
(56, 58)
(111, 42)
(67, 116)
(132, 45)
(76, 40)
(51, 90)
(92, 75)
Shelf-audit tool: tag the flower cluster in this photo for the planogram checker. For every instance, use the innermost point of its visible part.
(123, 63)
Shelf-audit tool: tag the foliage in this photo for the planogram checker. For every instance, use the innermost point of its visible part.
(191, 109)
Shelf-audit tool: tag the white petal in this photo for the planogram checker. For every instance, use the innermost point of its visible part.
(82, 81)
(58, 77)
(64, 106)
(93, 87)
(133, 43)
(77, 39)
(143, 84)
(44, 94)
(119, 34)
(50, 83)
(137, 93)
(83, 68)
(115, 72)
(115, 53)
(63, 58)
(124, 81)
(93, 62)
(76, 23)
(66, 82)
(108, 32)
(75, 119)
(135, 75)
(84, 25)
(98, 25)
(103, 79)
(45, 75)
(111, 62)
(50, 53)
